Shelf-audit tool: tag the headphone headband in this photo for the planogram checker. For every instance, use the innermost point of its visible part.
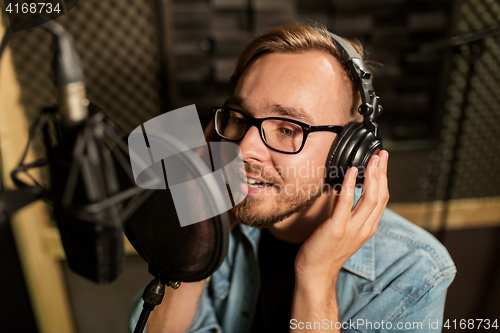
(358, 141)
(369, 108)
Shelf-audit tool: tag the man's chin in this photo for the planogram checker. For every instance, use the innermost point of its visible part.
(265, 211)
(260, 222)
(263, 214)
(256, 212)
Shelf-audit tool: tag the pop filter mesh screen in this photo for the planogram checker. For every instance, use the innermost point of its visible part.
(174, 252)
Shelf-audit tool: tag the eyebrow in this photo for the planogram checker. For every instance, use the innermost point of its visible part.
(292, 112)
(296, 113)
(235, 100)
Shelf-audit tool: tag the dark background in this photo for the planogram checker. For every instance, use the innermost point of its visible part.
(441, 122)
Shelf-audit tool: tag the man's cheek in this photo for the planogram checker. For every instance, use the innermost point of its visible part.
(280, 171)
(289, 189)
(314, 189)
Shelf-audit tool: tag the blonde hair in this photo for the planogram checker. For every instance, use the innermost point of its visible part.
(298, 38)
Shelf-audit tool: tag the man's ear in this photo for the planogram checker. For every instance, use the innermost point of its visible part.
(210, 134)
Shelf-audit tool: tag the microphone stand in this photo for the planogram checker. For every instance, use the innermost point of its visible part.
(12, 201)
(152, 296)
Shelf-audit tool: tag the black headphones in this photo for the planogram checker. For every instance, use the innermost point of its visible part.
(358, 141)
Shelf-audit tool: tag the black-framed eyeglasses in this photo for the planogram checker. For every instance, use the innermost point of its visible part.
(283, 135)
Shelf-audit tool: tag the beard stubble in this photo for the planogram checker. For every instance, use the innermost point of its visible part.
(286, 204)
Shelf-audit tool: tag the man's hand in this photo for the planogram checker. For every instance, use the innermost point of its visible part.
(324, 253)
(338, 238)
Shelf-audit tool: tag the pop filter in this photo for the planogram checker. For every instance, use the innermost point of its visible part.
(178, 222)
(155, 226)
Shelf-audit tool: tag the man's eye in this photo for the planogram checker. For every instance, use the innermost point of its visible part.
(236, 119)
(287, 132)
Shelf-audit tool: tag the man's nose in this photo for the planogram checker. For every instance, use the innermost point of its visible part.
(252, 147)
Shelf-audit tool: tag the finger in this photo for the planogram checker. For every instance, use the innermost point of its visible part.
(366, 170)
(383, 195)
(335, 198)
(369, 199)
(383, 189)
(370, 175)
(371, 225)
(345, 199)
(376, 222)
(382, 178)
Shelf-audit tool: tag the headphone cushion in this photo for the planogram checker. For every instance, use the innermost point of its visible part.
(353, 147)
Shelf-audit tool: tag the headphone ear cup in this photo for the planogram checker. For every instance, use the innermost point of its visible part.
(333, 169)
(353, 147)
(368, 147)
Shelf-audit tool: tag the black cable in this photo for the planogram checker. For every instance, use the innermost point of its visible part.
(476, 51)
(85, 140)
(35, 130)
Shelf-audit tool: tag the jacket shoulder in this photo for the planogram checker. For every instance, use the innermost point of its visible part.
(410, 253)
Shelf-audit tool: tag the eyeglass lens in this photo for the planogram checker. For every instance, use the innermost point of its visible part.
(279, 134)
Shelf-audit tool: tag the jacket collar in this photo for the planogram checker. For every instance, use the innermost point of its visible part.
(362, 262)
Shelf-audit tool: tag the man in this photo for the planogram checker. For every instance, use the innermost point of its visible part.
(300, 257)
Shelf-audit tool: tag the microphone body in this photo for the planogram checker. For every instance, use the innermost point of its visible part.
(83, 177)
(82, 173)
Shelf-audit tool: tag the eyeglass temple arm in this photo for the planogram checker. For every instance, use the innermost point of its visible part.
(329, 128)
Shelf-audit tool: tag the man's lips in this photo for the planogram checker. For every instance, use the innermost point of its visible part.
(257, 189)
(248, 175)
(252, 190)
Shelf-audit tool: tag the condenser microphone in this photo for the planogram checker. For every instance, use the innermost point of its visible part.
(94, 192)
(83, 175)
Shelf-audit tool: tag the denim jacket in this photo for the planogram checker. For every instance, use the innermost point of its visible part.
(396, 282)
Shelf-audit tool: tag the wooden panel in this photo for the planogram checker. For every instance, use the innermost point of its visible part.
(43, 273)
(462, 213)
